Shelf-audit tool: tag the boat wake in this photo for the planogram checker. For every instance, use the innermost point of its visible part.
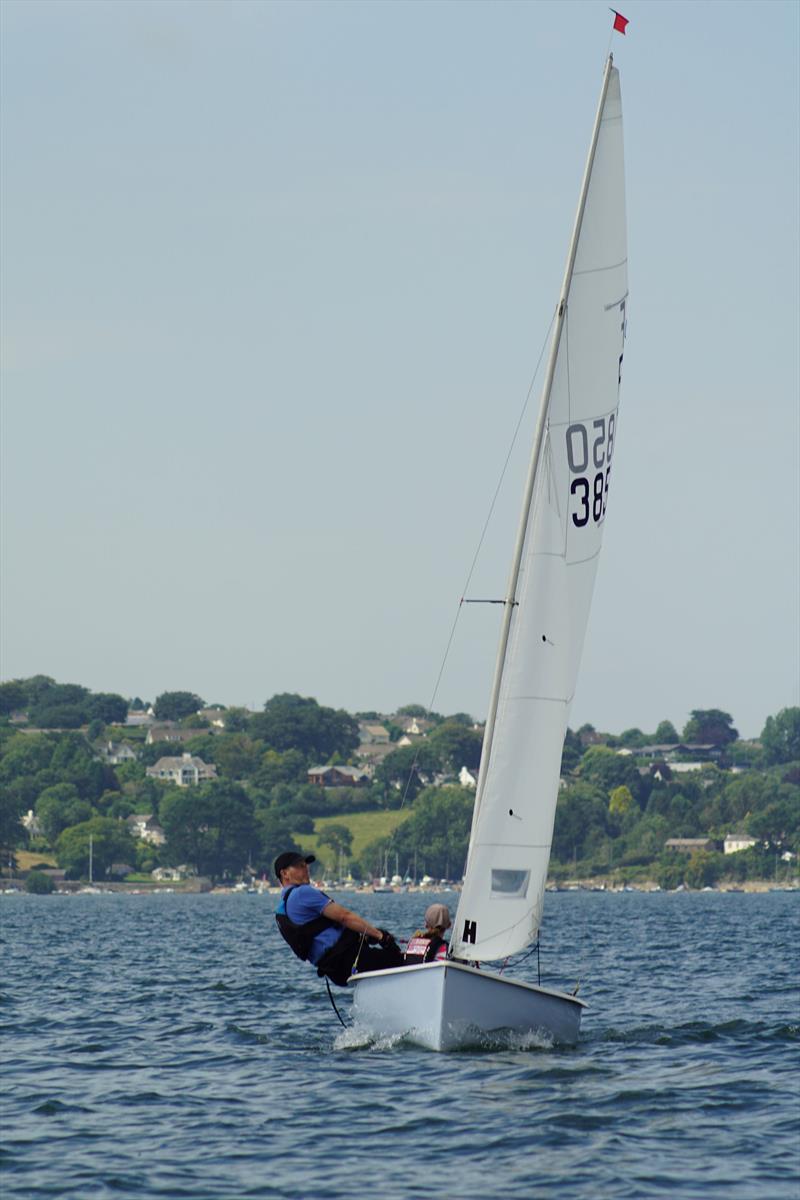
(356, 1037)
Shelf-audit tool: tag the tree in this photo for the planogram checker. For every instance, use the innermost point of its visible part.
(671, 870)
(703, 869)
(683, 815)
(581, 823)
(646, 839)
(63, 693)
(461, 718)
(72, 761)
(95, 730)
(103, 803)
(58, 807)
(275, 768)
(236, 720)
(211, 826)
(275, 836)
(710, 726)
(409, 768)
(13, 696)
(236, 755)
(666, 734)
(457, 745)
(778, 823)
(173, 706)
(195, 721)
(292, 722)
(25, 754)
(780, 737)
(60, 706)
(37, 687)
(110, 842)
(632, 738)
(606, 769)
(58, 716)
(437, 831)
(571, 752)
(107, 707)
(621, 801)
(39, 884)
(338, 837)
(12, 806)
(120, 808)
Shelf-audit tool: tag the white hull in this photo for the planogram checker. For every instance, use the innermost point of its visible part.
(448, 1006)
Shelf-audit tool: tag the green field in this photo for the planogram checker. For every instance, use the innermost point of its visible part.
(27, 859)
(365, 827)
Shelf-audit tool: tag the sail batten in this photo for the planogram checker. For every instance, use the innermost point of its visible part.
(554, 565)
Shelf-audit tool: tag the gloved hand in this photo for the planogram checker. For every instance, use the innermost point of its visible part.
(387, 939)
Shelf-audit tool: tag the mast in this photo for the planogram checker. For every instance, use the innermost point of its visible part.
(533, 471)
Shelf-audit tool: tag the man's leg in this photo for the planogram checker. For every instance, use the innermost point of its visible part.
(379, 958)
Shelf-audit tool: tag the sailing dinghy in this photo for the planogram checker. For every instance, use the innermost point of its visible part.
(454, 1003)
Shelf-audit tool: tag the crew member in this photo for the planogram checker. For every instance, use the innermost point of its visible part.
(428, 944)
(336, 940)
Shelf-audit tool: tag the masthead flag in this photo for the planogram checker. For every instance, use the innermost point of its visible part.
(619, 21)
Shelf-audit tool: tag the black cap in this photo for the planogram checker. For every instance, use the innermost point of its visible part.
(291, 859)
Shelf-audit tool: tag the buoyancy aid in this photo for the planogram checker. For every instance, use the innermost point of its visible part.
(299, 937)
(425, 947)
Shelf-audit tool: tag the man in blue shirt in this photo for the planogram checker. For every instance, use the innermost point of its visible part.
(332, 937)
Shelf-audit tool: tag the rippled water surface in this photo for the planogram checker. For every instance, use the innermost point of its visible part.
(171, 1046)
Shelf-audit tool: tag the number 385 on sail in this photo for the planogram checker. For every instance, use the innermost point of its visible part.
(591, 469)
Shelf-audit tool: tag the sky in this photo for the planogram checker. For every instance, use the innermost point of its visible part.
(275, 280)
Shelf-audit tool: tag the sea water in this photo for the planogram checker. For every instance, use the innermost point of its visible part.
(172, 1046)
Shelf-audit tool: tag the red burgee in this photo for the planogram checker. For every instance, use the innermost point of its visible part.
(619, 21)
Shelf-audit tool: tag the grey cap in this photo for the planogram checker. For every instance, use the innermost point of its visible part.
(437, 916)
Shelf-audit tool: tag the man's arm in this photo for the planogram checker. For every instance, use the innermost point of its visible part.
(350, 920)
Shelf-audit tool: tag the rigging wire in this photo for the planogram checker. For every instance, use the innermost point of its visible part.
(342, 1022)
(479, 546)
(525, 957)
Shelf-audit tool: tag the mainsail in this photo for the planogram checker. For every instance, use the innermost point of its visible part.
(555, 562)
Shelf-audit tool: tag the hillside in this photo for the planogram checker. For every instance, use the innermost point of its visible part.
(181, 786)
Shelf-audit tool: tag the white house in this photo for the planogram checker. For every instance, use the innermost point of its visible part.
(31, 823)
(139, 718)
(734, 842)
(115, 753)
(185, 771)
(169, 874)
(145, 828)
(214, 716)
(413, 727)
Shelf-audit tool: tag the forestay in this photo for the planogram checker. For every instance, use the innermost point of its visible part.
(553, 575)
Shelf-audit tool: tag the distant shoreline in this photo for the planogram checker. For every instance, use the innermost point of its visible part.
(191, 888)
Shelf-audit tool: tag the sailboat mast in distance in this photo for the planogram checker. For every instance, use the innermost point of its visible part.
(553, 567)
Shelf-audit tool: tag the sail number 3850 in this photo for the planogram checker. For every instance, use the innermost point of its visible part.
(588, 449)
